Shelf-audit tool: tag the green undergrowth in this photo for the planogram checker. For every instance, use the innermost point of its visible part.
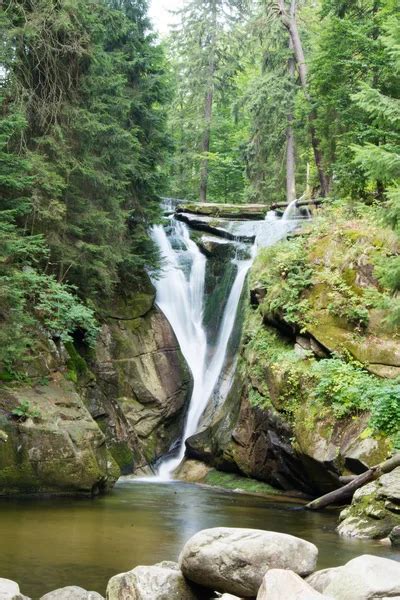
(347, 262)
(281, 379)
(231, 481)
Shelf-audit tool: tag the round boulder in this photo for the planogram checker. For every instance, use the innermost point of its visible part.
(235, 560)
(163, 581)
(366, 577)
(72, 592)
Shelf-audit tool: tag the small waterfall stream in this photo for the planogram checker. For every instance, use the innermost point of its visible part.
(180, 294)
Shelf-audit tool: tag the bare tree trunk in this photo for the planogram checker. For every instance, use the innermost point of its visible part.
(290, 147)
(208, 107)
(289, 21)
(205, 144)
(346, 492)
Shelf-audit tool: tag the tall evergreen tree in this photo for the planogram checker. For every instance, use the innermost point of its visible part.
(82, 133)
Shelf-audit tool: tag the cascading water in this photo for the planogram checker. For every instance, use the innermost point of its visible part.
(180, 295)
(181, 298)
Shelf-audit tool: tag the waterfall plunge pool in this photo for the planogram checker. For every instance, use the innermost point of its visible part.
(54, 542)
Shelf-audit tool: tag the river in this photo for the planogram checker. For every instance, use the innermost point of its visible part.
(54, 542)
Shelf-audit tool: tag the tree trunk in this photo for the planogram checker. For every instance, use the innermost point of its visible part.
(205, 144)
(290, 147)
(208, 106)
(346, 492)
(289, 21)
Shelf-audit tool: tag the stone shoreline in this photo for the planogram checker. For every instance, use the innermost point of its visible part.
(235, 564)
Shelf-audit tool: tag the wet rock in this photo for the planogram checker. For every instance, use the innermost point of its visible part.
(192, 471)
(366, 578)
(279, 584)
(375, 509)
(235, 560)
(394, 536)
(142, 388)
(163, 581)
(72, 592)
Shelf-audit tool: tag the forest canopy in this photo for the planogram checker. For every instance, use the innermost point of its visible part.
(82, 138)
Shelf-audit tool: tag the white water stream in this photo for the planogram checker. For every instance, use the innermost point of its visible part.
(180, 295)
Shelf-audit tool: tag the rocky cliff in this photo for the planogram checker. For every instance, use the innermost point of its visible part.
(316, 381)
(81, 417)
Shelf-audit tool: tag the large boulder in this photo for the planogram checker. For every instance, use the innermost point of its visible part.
(366, 577)
(281, 584)
(375, 509)
(235, 560)
(142, 387)
(72, 592)
(56, 447)
(163, 581)
(9, 590)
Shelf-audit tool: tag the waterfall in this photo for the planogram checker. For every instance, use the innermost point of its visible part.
(180, 296)
(293, 212)
(290, 211)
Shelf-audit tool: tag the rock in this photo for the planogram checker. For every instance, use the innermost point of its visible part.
(235, 560)
(192, 471)
(62, 452)
(281, 584)
(163, 581)
(142, 388)
(394, 536)
(366, 578)
(72, 592)
(9, 590)
(375, 509)
(321, 579)
(249, 440)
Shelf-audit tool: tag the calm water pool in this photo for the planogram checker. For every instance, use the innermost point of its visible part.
(49, 543)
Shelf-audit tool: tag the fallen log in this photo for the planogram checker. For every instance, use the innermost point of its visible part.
(315, 202)
(345, 493)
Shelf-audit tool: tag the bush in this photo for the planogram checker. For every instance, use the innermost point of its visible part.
(285, 272)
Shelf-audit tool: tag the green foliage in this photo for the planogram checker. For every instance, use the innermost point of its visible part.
(25, 410)
(82, 135)
(343, 302)
(208, 59)
(348, 389)
(285, 273)
(386, 409)
(344, 386)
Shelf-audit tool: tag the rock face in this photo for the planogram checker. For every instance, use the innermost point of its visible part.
(274, 425)
(63, 451)
(72, 592)
(235, 560)
(279, 584)
(163, 581)
(141, 389)
(375, 509)
(90, 415)
(363, 578)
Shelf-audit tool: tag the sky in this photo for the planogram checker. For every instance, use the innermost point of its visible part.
(160, 16)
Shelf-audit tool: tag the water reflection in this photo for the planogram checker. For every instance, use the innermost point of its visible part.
(50, 543)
